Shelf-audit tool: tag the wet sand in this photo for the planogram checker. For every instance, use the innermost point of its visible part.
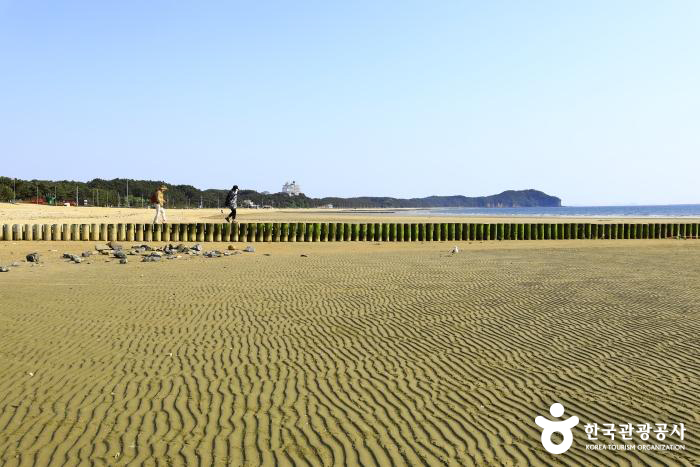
(357, 354)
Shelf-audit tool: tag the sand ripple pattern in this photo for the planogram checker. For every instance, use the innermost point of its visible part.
(369, 358)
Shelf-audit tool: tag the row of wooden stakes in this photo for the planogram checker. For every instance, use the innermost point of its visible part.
(339, 231)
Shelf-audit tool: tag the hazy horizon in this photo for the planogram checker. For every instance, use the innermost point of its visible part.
(594, 103)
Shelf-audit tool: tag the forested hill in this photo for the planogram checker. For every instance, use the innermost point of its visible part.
(100, 192)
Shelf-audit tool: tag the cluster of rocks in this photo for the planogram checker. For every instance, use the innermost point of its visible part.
(147, 253)
(31, 258)
(72, 257)
(151, 254)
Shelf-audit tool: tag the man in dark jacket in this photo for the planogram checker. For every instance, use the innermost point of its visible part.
(232, 203)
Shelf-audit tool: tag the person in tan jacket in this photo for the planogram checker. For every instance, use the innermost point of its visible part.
(158, 200)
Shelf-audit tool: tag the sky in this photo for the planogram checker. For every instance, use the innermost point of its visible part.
(597, 102)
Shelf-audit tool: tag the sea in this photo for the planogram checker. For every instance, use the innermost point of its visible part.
(597, 212)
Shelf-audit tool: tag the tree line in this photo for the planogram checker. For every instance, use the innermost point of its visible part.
(120, 192)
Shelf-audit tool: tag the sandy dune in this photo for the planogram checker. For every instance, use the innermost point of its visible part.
(357, 354)
(33, 214)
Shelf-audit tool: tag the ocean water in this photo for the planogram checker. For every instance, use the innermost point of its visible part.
(675, 210)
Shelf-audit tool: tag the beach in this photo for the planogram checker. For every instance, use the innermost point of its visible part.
(25, 213)
(346, 353)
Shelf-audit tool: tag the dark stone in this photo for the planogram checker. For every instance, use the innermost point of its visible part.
(33, 257)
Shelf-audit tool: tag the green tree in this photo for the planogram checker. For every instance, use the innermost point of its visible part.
(6, 193)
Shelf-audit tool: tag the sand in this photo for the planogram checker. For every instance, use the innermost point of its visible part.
(358, 354)
(37, 214)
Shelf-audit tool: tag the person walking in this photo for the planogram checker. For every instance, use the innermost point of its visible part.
(158, 200)
(232, 203)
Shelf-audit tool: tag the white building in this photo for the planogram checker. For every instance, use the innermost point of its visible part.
(292, 189)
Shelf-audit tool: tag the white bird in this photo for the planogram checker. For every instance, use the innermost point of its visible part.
(454, 250)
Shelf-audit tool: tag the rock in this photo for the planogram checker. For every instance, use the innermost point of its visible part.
(120, 254)
(101, 246)
(231, 247)
(150, 258)
(304, 256)
(197, 247)
(67, 256)
(213, 254)
(106, 252)
(115, 245)
(77, 259)
(86, 254)
(454, 250)
(15, 264)
(182, 248)
(4, 269)
(249, 249)
(227, 253)
(267, 254)
(33, 257)
(123, 261)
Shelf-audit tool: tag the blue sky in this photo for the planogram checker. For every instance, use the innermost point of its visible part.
(596, 102)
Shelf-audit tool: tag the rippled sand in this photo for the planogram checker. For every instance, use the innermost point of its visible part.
(358, 354)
